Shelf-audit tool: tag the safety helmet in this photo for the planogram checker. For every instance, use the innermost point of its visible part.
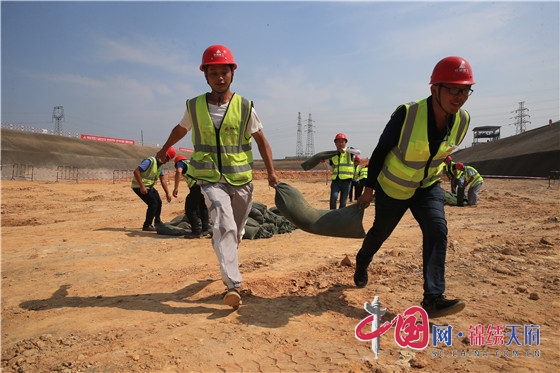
(453, 69)
(171, 153)
(460, 166)
(357, 158)
(217, 54)
(179, 158)
(341, 136)
(448, 159)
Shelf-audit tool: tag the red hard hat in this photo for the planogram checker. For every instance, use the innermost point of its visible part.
(180, 158)
(454, 70)
(448, 159)
(356, 158)
(217, 54)
(341, 136)
(171, 153)
(460, 166)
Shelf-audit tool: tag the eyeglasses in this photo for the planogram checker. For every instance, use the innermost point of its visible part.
(457, 91)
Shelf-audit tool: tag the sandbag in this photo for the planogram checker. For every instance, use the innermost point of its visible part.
(317, 158)
(345, 222)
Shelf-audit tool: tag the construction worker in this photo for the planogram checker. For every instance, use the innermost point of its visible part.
(361, 181)
(195, 207)
(355, 179)
(404, 171)
(469, 177)
(143, 184)
(223, 126)
(449, 171)
(342, 166)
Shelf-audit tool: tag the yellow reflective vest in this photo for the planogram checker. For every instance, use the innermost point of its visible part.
(150, 175)
(363, 173)
(409, 165)
(185, 166)
(343, 166)
(223, 152)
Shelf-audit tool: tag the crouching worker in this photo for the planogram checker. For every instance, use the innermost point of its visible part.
(195, 206)
(469, 177)
(143, 183)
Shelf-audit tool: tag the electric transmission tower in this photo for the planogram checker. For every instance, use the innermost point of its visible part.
(299, 147)
(520, 118)
(58, 116)
(310, 145)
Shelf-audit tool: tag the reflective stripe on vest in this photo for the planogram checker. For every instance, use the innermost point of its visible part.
(409, 165)
(224, 151)
(476, 178)
(150, 175)
(363, 173)
(343, 166)
(188, 179)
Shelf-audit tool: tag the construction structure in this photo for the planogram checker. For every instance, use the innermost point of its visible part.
(520, 121)
(310, 145)
(58, 117)
(489, 133)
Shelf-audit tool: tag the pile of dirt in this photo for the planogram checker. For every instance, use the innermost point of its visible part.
(535, 153)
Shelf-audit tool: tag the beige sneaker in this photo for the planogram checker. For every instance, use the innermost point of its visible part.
(232, 298)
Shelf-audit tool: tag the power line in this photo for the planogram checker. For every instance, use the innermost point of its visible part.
(520, 121)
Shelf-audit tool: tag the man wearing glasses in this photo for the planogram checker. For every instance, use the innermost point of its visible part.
(404, 173)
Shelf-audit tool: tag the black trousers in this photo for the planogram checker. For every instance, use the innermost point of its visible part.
(153, 200)
(196, 210)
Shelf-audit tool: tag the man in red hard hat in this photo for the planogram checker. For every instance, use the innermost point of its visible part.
(468, 176)
(404, 171)
(342, 166)
(223, 126)
(143, 184)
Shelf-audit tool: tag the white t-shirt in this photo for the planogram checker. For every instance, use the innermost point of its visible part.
(217, 114)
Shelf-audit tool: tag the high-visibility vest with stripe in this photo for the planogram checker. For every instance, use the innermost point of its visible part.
(185, 166)
(343, 166)
(476, 178)
(150, 175)
(357, 170)
(409, 165)
(363, 173)
(225, 151)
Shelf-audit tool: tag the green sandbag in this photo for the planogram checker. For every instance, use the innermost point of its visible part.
(251, 229)
(317, 158)
(167, 229)
(345, 222)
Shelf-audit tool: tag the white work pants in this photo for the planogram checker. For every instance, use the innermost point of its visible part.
(229, 206)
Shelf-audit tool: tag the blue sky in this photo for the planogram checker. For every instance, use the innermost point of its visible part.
(125, 69)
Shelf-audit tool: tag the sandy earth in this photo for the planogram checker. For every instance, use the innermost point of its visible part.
(85, 290)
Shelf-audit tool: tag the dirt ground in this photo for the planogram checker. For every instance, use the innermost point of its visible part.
(85, 290)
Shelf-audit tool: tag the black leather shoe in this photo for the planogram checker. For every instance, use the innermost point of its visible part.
(149, 228)
(439, 306)
(361, 276)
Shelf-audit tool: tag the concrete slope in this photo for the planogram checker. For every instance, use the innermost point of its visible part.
(533, 153)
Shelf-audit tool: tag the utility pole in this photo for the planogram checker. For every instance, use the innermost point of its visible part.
(58, 116)
(299, 146)
(520, 120)
(310, 145)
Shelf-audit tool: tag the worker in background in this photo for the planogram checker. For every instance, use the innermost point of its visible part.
(195, 206)
(143, 184)
(362, 180)
(449, 171)
(342, 166)
(469, 177)
(355, 180)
